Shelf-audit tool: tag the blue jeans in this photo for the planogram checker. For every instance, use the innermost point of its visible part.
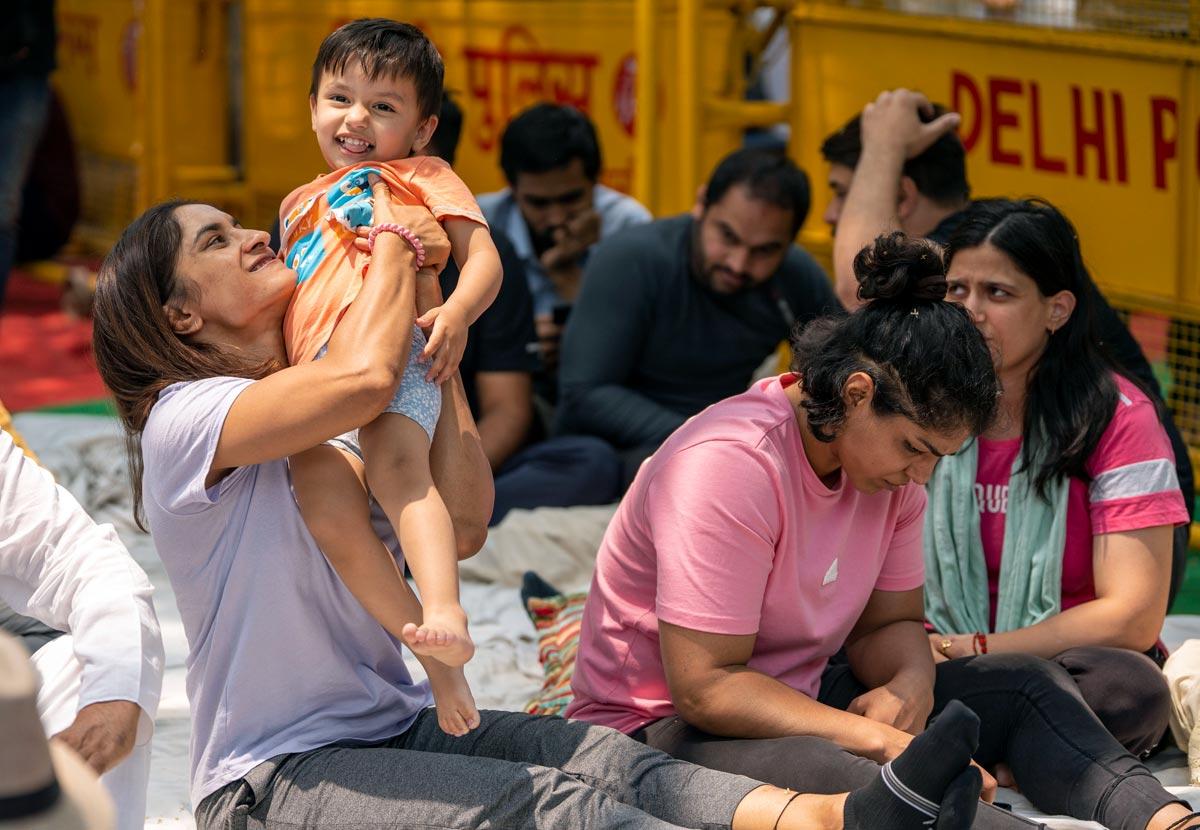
(24, 103)
(559, 472)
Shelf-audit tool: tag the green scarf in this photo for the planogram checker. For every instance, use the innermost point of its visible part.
(1035, 532)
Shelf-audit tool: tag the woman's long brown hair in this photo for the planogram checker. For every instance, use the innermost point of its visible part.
(137, 352)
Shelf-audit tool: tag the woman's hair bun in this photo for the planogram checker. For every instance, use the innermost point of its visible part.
(898, 268)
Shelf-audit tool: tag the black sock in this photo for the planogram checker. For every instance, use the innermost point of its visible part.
(961, 801)
(534, 586)
(910, 789)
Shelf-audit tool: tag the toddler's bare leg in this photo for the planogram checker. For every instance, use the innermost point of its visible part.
(331, 489)
(334, 502)
(396, 450)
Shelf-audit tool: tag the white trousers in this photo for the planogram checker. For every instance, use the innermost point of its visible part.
(58, 702)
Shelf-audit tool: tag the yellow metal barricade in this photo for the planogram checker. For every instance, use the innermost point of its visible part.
(146, 85)
(208, 99)
(1103, 125)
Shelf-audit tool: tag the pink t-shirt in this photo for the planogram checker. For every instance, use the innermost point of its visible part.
(1133, 486)
(728, 530)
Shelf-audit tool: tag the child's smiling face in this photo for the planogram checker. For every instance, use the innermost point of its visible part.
(358, 119)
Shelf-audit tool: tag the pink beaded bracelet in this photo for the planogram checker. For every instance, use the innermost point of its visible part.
(404, 233)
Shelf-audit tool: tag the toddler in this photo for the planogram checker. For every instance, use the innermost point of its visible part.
(376, 89)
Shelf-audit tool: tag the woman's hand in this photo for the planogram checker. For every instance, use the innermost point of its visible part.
(902, 707)
(891, 742)
(960, 645)
(417, 219)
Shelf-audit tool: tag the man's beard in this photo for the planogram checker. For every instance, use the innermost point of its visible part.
(719, 275)
(706, 274)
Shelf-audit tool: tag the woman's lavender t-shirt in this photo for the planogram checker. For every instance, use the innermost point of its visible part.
(728, 530)
(281, 657)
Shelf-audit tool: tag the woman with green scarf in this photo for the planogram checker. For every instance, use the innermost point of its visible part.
(1051, 534)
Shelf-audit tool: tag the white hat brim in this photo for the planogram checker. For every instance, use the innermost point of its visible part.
(82, 804)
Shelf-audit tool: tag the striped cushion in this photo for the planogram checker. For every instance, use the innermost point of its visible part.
(557, 620)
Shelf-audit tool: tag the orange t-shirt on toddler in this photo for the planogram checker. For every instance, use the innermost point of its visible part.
(317, 222)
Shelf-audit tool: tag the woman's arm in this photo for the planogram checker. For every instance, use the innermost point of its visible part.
(461, 470)
(889, 654)
(714, 690)
(301, 406)
(1132, 572)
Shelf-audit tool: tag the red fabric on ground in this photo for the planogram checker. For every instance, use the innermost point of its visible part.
(45, 355)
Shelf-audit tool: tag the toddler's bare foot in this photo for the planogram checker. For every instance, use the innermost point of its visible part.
(455, 704)
(442, 635)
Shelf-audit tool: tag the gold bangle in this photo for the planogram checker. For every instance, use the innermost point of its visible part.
(944, 646)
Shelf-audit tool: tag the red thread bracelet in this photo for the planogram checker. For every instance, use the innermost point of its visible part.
(979, 642)
(404, 233)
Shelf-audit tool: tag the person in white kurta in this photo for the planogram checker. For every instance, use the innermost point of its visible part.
(100, 681)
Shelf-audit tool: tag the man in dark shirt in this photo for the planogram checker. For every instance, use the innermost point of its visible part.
(497, 373)
(923, 191)
(677, 314)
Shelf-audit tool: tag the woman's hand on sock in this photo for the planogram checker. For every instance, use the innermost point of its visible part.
(930, 784)
(892, 742)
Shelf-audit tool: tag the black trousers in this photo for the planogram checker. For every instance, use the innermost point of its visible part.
(1033, 717)
(1127, 691)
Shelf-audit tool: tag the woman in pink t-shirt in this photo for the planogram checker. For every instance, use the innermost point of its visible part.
(757, 602)
(1053, 534)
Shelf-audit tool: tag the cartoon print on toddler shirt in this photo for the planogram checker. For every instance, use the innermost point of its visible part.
(350, 206)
